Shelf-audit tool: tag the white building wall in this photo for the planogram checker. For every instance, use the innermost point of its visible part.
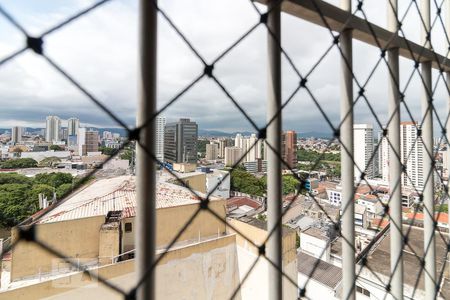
(81, 140)
(160, 124)
(315, 290)
(52, 128)
(256, 286)
(412, 156)
(383, 158)
(315, 247)
(212, 180)
(363, 149)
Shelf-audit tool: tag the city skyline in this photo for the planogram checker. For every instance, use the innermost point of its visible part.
(242, 72)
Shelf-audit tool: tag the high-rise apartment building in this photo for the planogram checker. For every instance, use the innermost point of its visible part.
(87, 141)
(212, 151)
(250, 146)
(81, 141)
(180, 141)
(160, 124)
(91, 141)
(383, 157)
(223, 143)
(232, 155)
(363, 150)
(73, 124)
(411, 154)
(238, 141)
(107, 135)
(289, 148)
(16, 134)
(52, 129)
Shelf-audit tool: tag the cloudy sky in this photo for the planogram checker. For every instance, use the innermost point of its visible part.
(100, 51)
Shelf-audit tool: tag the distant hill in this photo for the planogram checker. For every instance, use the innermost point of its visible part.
(322, 135)
(201, 132)
(217, 133)
(121, 131)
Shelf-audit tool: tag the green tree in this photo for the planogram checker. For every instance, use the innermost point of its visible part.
(53, 179)
(107, 150)
(6, 178)
(63, 190)
(49, 162)
(127, 154)
(442, 208)
(201, 147)
(15, 206)
(45, 189)
(56, 148)
(19, 163)
(290, 184)
(245, 182)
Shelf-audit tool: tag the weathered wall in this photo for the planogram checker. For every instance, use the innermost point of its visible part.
(81, 238)
(257, 282)
(169, 221)
(202, 271)
(206, 270)
(109, 242)
(128, 242)
(72, 284)
(77, 239)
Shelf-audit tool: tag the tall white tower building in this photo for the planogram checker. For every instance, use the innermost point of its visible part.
(252, 154)
(412, 155)
(72, 126)
(160, 124)
(383, 157)
(238, 140)
(363, 150)
(52, 128)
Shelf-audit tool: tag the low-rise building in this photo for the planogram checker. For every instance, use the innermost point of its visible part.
(319, 279)
(372, 204)
(335, 195)
(361, 216)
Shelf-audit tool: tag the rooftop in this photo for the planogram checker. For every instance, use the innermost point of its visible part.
(316, 232)
(112, 194)
(319, 270)
(379, 260)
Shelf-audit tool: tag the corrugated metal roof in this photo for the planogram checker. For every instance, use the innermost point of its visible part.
(114, 194)
(319, 270)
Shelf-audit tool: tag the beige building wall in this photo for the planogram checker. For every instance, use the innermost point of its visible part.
(83, 239)
(77, 239)
(109, 242)
(196, 182)
(169, 221)
(128, 242)
(184, 167)
(206, 270)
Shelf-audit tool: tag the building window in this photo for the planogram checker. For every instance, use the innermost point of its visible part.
(128, 227)
(362, 291)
